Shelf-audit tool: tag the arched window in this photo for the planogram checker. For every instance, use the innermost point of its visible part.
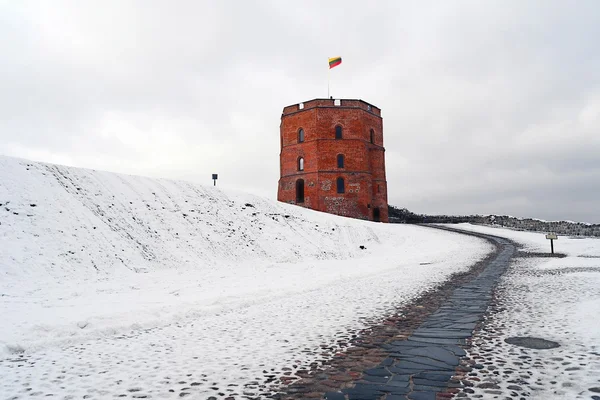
(338, 132)
(300, 135)
(372, 136)
(300, 164)
(300, 191)
(340, 161)
(340, 185)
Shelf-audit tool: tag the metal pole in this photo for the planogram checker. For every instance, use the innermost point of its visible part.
(328, 79)
(552, 245)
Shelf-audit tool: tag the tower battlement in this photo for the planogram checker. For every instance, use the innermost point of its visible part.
(324, 103)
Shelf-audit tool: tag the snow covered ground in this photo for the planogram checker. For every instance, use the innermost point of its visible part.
(556, 299)
(114, 285)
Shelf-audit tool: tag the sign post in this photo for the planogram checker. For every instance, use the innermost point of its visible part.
(552, 236)
(215, 176)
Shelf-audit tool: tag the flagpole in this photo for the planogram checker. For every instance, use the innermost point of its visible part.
(333, 62)
(328, 79)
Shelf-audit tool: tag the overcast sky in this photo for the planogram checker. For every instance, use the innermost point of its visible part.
(488, 106)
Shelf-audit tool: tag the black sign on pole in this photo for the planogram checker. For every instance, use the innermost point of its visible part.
(215, 177)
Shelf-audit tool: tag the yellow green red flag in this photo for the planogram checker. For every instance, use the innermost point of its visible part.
(334, 62)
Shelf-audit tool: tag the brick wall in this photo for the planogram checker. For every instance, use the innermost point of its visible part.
(364, 162)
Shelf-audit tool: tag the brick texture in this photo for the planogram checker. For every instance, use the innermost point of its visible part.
(363, 173)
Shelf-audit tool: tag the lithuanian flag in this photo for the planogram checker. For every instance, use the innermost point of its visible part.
(334, 62)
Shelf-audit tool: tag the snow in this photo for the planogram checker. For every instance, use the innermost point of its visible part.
(113, 284)
(556, 299)
(572, 246)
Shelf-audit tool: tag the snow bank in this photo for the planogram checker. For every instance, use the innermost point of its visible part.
(94, 257)
(537, 242)
(76, 223)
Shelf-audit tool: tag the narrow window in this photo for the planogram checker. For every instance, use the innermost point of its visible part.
(300, 164)
(372, 136)
(340, 160)
(300, 135)
(300, 191)
(378, 188)
(340, 185)
(338, 132)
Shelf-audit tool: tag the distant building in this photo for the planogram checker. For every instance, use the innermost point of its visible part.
(332, 158)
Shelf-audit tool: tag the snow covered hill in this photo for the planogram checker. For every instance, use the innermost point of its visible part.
(49, 214)
(87, 256)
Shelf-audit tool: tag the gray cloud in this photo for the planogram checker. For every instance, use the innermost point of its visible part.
(489, 107)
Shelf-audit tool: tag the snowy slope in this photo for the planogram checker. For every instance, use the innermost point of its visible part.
(143, 223)
(120, 264)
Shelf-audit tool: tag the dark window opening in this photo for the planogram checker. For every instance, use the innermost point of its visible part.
(300, 191)
(372, 136)
(340, 161)
(301, 164)
(376, 214)
(301, 135)
(338, 132)
(340, 185)
(378, 188)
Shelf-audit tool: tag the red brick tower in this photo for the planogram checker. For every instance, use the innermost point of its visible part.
(332, 158)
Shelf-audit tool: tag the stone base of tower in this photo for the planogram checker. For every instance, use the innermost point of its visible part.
(320, 194)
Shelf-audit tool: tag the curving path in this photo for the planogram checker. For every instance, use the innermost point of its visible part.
(421, 367)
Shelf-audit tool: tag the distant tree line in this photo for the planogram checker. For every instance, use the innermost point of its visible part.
(404, 216)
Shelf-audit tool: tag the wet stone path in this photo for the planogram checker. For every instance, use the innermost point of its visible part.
(421, 367)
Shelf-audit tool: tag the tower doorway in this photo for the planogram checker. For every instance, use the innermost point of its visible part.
(376, 215)
(300, 191)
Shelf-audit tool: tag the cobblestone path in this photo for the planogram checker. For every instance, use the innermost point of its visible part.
(421, 364)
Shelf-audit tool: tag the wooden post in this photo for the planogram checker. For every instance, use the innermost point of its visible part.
(552, 236)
